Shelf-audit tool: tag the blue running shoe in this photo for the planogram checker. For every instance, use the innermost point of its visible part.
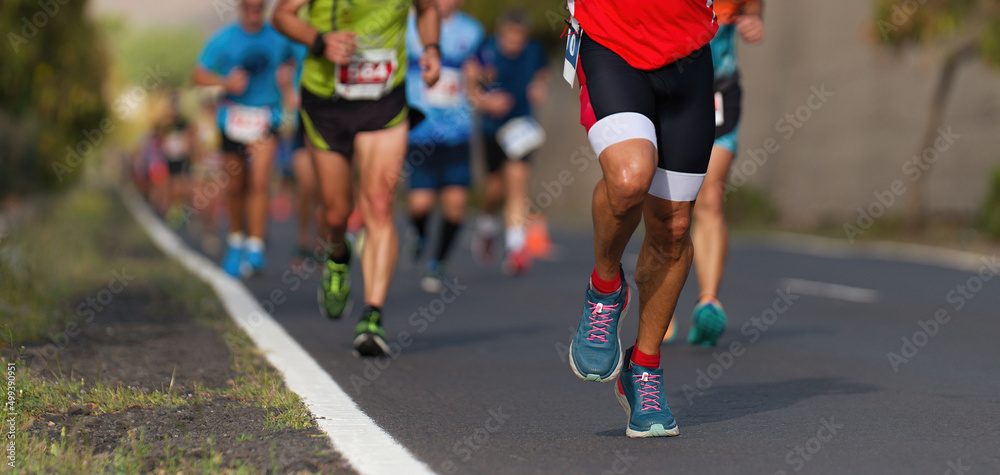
(640, 392)
(233, 260)
(708, 322)
(255, 260)
(595, 353)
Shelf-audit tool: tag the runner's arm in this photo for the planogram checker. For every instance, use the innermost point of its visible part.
(749, 25)
(538, 88)
(234, 83)
(339, 44)
(493, 103)
(429, 28)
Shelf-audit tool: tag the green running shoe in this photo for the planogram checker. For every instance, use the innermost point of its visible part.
(334, 293)
(708, 322)
(369, 337)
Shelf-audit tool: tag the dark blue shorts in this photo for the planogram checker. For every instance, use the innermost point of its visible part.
(436, 166)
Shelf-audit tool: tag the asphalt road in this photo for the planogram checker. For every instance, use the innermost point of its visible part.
(802, 382)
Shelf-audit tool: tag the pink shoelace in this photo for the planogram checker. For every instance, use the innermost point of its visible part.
(600, 321)
(649, 388)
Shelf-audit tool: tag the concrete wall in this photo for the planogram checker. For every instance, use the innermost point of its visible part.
(851, 146)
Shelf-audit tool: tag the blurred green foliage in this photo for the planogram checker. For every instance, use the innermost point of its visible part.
(750, 207)
(989, 216)
(940, 23)
(52, 73)
(173, 51)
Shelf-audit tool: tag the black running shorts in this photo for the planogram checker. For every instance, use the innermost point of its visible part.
(331, 123)
(495, 156)
(672, 107)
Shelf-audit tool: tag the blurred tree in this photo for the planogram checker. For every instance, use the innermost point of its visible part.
(956, 30)
(52, 101)
(989, 215)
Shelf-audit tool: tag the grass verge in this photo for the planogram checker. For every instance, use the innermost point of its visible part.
(72, 277)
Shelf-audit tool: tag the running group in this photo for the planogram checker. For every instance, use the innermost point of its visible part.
(346, 99)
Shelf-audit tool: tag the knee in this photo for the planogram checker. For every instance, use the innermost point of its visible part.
(711, 201)
(671, 230)
(377, 205)
(258, 183)
(336, 216)
(626, 191)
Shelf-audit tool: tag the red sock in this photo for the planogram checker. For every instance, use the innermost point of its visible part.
(644, 360)
(605, 287)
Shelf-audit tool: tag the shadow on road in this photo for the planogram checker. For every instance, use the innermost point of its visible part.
(728, 402)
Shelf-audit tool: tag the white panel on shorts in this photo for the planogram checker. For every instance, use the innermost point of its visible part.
(676, 186)
(619, 127)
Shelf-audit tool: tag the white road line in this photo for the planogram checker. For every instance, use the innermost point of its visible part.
(885, 250)
(831, 291)
(367, 447)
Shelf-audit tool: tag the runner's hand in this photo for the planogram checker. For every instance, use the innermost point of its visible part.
(430, 64)
(340, 46)
(497, 103)
(538, 92)
(236, 81)
(751, 28)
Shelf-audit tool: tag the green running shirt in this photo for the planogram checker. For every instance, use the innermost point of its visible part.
(379, 64)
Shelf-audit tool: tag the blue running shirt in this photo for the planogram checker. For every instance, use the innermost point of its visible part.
(260, 54)
(724, 51)
(446, 105)
(513, 76)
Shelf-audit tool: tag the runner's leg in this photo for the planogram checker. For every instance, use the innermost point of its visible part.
(261, 155)
(305, 180)
(236, 191)
(335, 187)
(453, 201)
(617, 204)
(662, 267)
(380, 156)
(515, 181)
(709, 227)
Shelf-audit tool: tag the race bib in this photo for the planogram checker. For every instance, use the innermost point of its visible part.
(573, 34)
(719, 117)
(448, 92)
(518, 137)
(247, 124)
(370, 75)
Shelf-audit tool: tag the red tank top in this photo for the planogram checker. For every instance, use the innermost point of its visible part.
(648, 34)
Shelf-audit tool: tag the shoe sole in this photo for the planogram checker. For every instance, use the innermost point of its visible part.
(370, 345)
(655, 430)
(322, 308)
(618, 367)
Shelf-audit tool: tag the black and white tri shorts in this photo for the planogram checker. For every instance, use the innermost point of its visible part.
(673, 107)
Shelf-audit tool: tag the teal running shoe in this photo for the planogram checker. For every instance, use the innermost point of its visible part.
(640, 393)
(334, 293)
(369, 336)
(595, 354)
(708, 322)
